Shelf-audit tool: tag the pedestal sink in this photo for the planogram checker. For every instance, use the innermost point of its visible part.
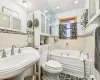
(13, 65)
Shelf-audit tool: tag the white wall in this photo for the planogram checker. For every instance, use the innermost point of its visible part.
(16, 8)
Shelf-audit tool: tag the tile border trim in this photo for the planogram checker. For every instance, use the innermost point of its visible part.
(15, 32)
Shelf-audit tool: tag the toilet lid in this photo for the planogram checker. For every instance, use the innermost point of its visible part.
(51, 64)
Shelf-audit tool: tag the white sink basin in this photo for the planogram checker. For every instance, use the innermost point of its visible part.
(13, 65)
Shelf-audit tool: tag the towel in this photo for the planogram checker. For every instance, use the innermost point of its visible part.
(97, 49)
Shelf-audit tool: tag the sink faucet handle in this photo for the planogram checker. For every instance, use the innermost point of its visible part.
(3, 53)
(19, 50)
(81, 51)
(12, 49)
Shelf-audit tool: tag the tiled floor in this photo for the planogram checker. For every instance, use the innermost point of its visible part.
(64, 76)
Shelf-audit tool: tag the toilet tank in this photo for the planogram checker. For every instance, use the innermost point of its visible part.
(44, 51)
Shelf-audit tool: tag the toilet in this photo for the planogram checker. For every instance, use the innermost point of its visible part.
(51, 70)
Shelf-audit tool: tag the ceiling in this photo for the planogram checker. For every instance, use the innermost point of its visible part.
(65, 5)
(50, 5)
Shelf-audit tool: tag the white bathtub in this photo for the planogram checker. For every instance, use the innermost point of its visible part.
(72, 61)
(69, 54)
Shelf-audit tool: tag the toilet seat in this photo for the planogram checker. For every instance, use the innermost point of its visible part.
(52, 66)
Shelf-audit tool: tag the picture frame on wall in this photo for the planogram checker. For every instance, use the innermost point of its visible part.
(10, 12)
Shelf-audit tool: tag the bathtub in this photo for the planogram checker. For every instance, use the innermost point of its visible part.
(72, 61)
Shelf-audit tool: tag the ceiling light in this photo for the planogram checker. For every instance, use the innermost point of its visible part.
(76, 2)
(58, 7)
(25, 3)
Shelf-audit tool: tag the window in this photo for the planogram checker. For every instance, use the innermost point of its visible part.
(4, 21)
(16, 24)
(68, 28)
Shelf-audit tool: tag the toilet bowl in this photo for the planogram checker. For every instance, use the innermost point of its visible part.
(51, 70)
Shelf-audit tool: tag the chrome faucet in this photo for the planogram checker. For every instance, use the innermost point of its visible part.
(12, 49)
(3, 53)
(19, 50)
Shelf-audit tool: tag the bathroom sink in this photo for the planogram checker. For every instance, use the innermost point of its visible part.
(13, 65)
